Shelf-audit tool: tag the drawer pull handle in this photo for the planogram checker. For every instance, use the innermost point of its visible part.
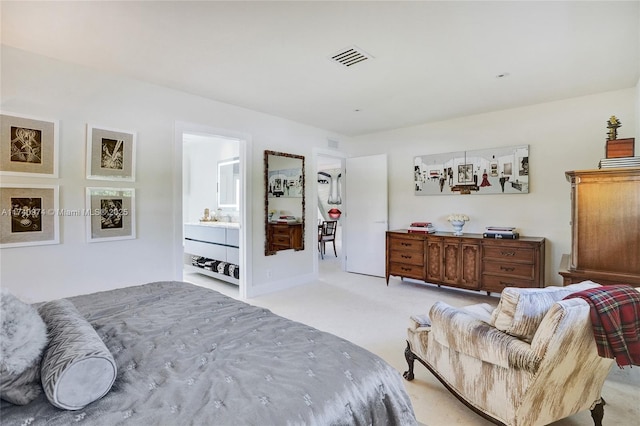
(508, 253)
(406, 256)
(405, 269)
(507, 284)
(406, 244)
(507, 268)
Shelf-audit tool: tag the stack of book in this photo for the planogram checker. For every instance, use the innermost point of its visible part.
(506, 232)
(421, 228)
(287, 219)
(607, 163)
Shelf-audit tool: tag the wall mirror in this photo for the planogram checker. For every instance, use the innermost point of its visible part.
(283, 202)
(229, 183)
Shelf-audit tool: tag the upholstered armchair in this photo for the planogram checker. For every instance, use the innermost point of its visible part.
(531, 361)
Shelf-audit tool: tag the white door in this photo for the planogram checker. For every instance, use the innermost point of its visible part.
(367, 214)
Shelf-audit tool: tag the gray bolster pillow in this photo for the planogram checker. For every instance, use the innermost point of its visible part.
(76, 368)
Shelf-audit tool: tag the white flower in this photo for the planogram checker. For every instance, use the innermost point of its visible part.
(458, 218)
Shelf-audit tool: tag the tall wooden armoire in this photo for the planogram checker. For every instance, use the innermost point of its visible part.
(605, 227)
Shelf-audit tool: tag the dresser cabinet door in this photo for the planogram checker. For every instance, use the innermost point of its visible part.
(452, 258)
(435, 259)
(461, 263)
(471, 262)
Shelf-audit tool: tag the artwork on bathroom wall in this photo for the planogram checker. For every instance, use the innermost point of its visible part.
(285, 183)
(110, 214)
(28, 146)
(30, 215)
(111, 154)
(502, 170)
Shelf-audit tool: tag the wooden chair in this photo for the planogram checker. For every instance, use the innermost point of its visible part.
(327, 232)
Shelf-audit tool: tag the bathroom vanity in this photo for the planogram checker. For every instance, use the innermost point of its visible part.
(213, 249)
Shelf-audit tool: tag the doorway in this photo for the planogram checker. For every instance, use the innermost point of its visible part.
(213, 234)
(330, 206)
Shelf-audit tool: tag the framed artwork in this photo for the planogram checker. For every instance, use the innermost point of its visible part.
(111, 214)
(502, 170)
(28, 146)
(465, 173)
(285, 183)
(111, 154)
(29, 215)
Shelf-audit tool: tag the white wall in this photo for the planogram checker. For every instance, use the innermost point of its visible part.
(34, 85)
(562, 136)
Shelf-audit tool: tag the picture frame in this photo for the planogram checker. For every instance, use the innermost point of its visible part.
(110, 214)
(286, 183)
(465, 173)
(501, 170)
(29, 215)
(111, 154)
(28, 145)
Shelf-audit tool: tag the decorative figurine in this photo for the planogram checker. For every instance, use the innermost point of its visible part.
(613, 125)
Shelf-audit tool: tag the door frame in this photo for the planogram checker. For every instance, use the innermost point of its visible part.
(246, 242)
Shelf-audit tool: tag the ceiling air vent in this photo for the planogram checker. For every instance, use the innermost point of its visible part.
(350, 56)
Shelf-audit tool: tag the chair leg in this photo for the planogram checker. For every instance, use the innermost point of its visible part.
(598, 413)
(410, 357)
(334, 248)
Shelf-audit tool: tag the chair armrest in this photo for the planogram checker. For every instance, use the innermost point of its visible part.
(462, 332)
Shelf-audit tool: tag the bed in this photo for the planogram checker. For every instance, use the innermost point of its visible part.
(187, 355)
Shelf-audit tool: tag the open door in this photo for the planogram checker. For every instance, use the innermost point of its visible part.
(367, 214)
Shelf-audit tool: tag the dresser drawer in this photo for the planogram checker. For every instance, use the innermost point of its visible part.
(408, 257)
(497, 283)
(281, 240)
(518, 270)
(406, 270)
(406, 244)
(280, 230)
(509, 253)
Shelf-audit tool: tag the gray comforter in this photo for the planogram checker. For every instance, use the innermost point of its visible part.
(187, 355)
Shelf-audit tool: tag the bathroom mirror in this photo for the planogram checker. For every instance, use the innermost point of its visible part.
(229, 183)
(283, 202)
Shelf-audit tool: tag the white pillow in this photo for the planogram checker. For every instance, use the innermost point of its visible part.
(77, 368)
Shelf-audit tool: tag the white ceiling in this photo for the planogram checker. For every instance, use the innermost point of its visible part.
(432, 60)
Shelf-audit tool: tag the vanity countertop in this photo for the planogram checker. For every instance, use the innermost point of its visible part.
(217, 224)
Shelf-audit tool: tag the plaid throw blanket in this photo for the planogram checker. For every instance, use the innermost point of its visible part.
(615, 316)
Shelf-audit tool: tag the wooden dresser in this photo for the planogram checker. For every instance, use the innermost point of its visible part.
(469, 261)
(284, 236)
(605, 227)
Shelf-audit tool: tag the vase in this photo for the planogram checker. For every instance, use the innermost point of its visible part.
(457, 226)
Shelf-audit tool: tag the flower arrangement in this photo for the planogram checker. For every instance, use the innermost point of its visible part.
(458, 218)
